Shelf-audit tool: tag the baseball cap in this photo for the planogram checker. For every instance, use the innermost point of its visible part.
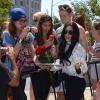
(17, 13)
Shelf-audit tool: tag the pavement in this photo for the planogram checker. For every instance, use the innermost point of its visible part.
(30, 96)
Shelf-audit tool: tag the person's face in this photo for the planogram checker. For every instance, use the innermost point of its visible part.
(21, 23)
(69, 32)
(65, 16)
(46, 26)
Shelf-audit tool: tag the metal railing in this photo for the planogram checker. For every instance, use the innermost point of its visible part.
(89, 63)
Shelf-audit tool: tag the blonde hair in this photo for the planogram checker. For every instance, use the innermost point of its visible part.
(37, 15)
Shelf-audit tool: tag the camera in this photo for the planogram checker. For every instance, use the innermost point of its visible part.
(4, 48)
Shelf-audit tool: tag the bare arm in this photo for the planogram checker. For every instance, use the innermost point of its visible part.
(83, 39)
(14, 73)
(23, 35)
(33, 50)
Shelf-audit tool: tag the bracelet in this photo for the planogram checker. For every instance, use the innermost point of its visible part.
(20, 40)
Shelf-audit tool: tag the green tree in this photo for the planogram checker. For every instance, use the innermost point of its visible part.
(4, 10)
(95, 8)
(56, 20)
(90, 10)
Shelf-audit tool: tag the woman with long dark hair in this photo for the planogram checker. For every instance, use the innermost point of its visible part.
(72, 57)
(44, 54)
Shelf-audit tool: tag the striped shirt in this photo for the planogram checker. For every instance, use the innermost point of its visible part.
(96, 47)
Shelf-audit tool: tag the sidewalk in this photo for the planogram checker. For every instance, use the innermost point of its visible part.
(51, 96)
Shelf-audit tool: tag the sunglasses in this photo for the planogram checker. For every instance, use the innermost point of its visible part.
(70, 32)
(22, 20)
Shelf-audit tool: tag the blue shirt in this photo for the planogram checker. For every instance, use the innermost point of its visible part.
(9, 39)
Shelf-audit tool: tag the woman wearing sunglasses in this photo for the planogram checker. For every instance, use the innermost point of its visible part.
(66, 15)
(72, 57)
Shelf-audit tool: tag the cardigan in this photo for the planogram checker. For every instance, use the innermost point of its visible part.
(78, 54)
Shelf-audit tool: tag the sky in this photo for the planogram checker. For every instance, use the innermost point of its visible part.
(46, 6)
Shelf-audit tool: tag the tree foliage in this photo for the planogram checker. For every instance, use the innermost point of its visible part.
(56, 20)
(95, 7)
(4, 10)
(90, 10)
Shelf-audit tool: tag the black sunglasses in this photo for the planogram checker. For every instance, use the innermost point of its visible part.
(22, 20)
(70, 32)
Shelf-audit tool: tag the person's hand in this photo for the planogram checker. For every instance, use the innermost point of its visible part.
(3, 51)
(91, 50)
(24, 33)
(10, 53)
(77, 64)
(34, 30)
(50, 41)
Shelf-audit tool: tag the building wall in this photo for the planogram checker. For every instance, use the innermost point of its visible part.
(30, 6)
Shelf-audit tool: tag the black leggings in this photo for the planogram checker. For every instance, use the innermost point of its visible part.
(74, 87)
(40, 83)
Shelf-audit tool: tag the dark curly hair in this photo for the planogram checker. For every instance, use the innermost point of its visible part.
(64, 56)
